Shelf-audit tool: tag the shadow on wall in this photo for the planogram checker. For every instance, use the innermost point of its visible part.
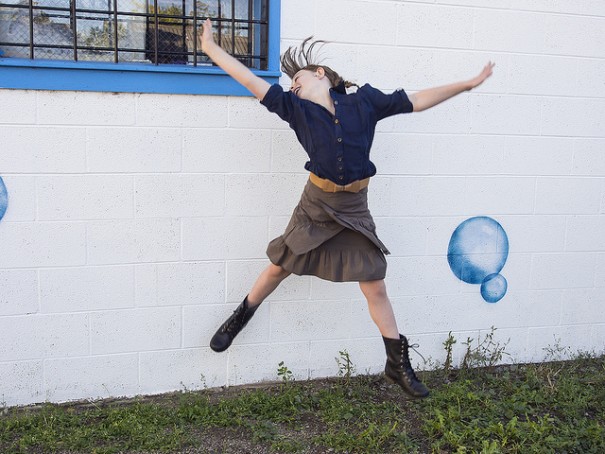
(477, 253)
(3, 198)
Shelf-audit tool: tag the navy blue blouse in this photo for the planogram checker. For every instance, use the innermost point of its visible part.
(338, 145)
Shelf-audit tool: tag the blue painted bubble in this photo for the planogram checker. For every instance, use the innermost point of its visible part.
(493, 288)
(478, 249)
(3, 198)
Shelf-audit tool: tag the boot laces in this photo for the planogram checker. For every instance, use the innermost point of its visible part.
(235, 322)
(407, 364)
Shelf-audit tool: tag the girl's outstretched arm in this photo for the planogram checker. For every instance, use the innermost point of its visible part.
(428, 98)
(230, 65)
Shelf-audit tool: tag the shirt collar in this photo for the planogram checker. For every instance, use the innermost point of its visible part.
(340, 88)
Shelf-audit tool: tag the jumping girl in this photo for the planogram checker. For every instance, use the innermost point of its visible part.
(331, 234)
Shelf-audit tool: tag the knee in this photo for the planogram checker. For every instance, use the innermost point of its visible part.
(374, 290)
(277, 272)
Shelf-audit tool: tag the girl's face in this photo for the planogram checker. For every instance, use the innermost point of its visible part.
(305, 83)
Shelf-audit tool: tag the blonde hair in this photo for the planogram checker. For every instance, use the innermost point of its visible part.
(300, 58)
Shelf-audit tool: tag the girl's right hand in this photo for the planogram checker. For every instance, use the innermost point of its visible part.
(207, 34)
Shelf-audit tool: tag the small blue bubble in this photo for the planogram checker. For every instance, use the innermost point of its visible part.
(493, 288)
(478, 248)
(3, 198)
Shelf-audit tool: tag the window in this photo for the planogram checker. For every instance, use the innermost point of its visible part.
(133, 45)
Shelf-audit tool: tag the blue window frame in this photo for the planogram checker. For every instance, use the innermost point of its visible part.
(71, 61)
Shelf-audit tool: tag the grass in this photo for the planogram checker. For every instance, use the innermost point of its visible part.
(553, 407)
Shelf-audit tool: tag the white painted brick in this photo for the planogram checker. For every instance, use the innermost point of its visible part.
(588, 7)
(85, 197)
(562, 35)
(598, 334)
(297, 20)
(21, 198)
(277, 225)
(19, 106)
(529, 308)
(263, 195)
(181, 111)
(260, 362)
(134, 149)
(133, 241)
(589, 84)
(287, 154)
(298, 321)
(226, 150)
(585, 233)
(21, 383)
(542, 75)
(492, 31)
(379, 196)
(505, 114)
(85, 108)
(500, 195)
(201, 322)
(535, 233)
(468, 155)
(439, 233)
(40, 149)
(410, 69)
(86, 288)
(403, 236)
(241, 275)
(361, 325)
(452, 117)
(517, 271)
(416, 196)
(179, 195)
(366, 355)
(600, 271)
(248, 113)
(189, 370)
(589, 157)
(95, 377)
(145, 285)
(408, 276)
(514, 342)
(399, 154)
(327, 290)
(537, 156)
(218, 238)
(42, 244)
(18, 292)
(583, 306)
(434, 26)
(573, 117)
(372, 25)
(568, 195)
(190, 283)
(135, 330)
(565, 270)
(43, 336)
(562, 342)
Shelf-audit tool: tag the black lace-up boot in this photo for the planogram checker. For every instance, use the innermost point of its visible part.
(399, 370)
(226, 333)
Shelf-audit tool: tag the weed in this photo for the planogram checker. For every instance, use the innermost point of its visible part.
(487, 352)
(345, 366)
(284, 373)
(448, 344)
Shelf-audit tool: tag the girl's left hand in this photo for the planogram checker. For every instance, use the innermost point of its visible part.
(485, 73)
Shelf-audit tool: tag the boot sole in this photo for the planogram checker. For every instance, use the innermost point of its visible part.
(395, 382)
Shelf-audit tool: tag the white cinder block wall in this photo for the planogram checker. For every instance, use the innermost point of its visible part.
(136, 223)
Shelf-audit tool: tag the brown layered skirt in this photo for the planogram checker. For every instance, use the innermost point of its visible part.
(331, 235)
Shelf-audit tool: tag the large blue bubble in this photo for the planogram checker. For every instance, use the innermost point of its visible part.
(3, 198)
(476, 254)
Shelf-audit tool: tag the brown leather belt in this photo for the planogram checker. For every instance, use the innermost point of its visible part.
(330, 186)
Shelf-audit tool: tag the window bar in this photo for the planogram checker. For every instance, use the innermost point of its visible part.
(250, 31)
(232, 27)
(194, 32)
(31, 29)
(220, 23)
(184, 25)
(74, 26)
(156, 34)
(115, 31)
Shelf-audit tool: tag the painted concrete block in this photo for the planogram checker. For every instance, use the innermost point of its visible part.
(428, 196)
(505, 114)
(574, 117)
(181, 111)
(287, 155)
(585, 233)
(563, 270)
(589, 158)
(19, 106)
(468, 155)
(568, 195)
(402, 154)
(538, 155)
(21, 382)
(22, 198)
(500, 195)
(18, 292)
(583, 307)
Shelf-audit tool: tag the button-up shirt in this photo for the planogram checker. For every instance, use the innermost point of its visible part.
(338, 145)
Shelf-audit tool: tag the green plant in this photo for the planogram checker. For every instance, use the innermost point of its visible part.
(345, 366)
(284, 373)
(486, 353)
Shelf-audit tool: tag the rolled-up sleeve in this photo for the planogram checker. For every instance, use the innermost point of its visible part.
(278, 101)
(386, 105)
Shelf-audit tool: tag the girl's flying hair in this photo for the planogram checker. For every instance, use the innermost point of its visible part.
(298, 58)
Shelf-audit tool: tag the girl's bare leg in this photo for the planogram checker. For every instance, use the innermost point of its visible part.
(380, 307)
(266, 283)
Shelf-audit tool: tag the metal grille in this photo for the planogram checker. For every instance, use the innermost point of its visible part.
(133, 31)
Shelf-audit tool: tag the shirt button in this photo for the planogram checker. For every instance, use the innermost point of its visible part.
(335, 103)
(341, 177)
(336, 121)
(339, 167)
(340, 158)
(339, 139)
